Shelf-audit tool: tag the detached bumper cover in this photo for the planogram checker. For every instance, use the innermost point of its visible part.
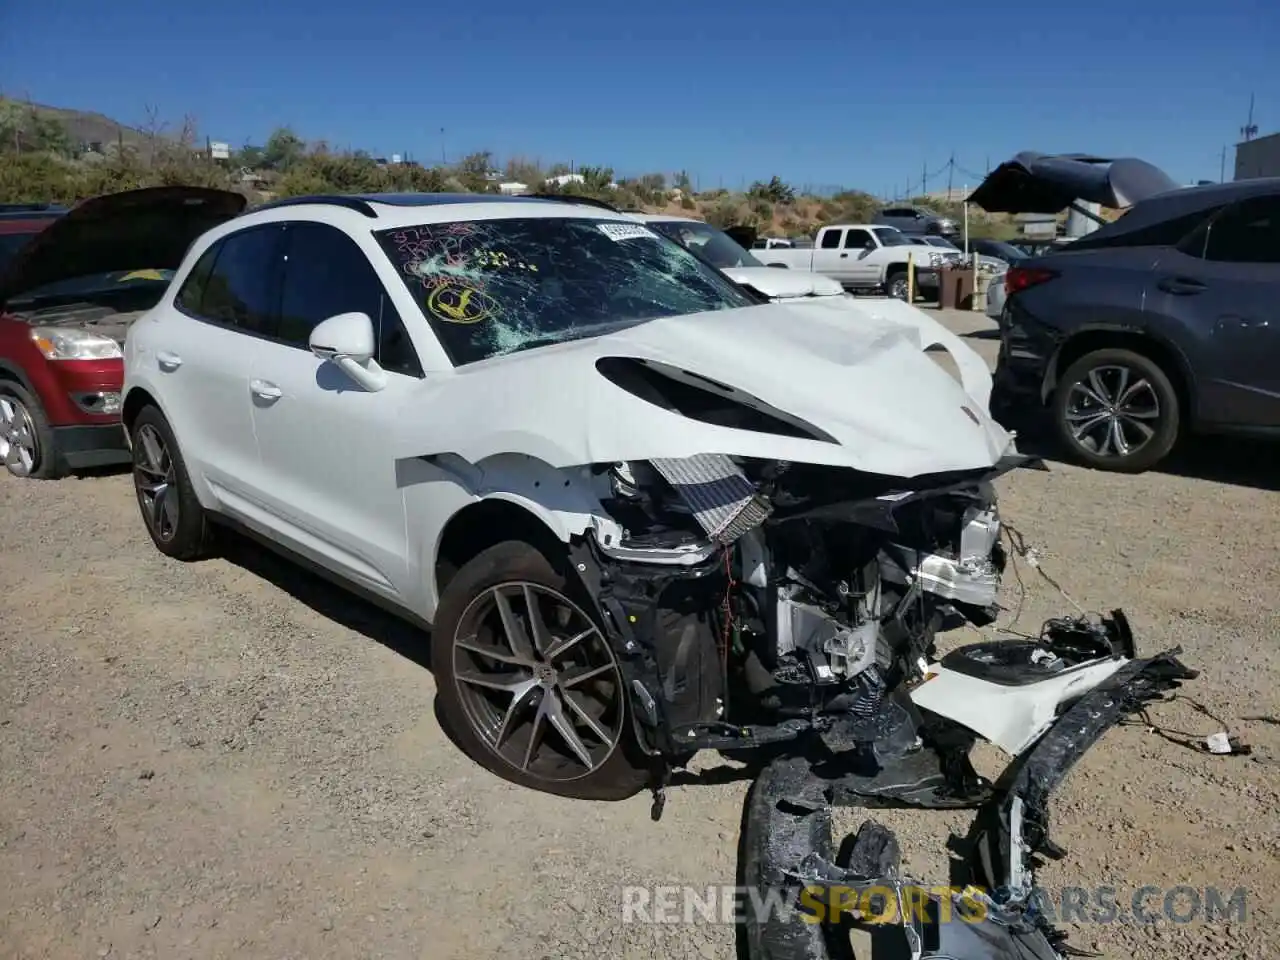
(1014, 826)
(787, 845)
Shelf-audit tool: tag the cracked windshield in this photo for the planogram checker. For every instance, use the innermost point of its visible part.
(491, 287)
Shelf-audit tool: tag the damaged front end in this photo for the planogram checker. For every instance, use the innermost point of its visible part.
(756, 604)
(753, 602)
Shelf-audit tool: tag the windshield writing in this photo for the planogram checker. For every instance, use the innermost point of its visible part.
(492, 287)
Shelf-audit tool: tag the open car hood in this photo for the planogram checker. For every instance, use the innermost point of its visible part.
(135, 230)
(856, 392)
(1043, 183)
(784, 284)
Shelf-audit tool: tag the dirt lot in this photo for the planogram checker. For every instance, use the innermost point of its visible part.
(232, 759)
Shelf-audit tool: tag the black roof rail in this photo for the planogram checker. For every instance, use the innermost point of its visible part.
(357, 204)
(569, 198)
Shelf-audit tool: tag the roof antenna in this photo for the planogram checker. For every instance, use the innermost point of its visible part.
(1250, 129)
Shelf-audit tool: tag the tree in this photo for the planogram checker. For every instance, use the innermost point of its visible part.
(474, 171)
(775, 191)
(284, 148)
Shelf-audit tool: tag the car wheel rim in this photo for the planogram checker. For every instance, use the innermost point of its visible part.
(19, 448)
(898, 289)
(1113, 411)
(538, 681)
(155, 479)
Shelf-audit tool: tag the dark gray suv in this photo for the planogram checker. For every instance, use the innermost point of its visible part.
(1166, 320)
(917, 221)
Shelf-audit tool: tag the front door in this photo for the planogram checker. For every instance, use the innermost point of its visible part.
(325, 441)
(1222, 288)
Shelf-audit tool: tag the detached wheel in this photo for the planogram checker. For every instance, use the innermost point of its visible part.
(896, 286)
(173, 516)
(27, 447)
(1116, 410)
(527, 681)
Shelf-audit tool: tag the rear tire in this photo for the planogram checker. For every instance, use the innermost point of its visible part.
(1117, 410)
(572, 707)
(27, 445)
(170, 509)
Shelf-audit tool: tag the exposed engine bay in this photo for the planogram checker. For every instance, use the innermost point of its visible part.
(769, 603)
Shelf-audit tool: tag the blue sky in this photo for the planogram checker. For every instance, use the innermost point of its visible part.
(856, 92)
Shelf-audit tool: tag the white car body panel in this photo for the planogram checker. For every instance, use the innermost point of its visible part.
(784, 284)
(996, 297)
(1011, 717)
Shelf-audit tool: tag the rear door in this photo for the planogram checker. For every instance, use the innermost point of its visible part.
(1222, 287)
(203, 355)
(326, 442)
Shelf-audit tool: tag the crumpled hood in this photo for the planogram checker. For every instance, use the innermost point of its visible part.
(865, 383)
(784, 284)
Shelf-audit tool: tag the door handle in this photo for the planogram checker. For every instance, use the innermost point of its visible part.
(1180, 286)
(265, 390)
(843, 256)
(168, 361)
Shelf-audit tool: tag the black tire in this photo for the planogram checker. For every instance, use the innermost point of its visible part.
(47, 462)
(1155, 399)
(620, 774)
(188, 537)
(895, 285)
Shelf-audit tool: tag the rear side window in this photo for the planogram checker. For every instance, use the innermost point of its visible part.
(831, 240)
(242, 287)
(192, 292)
(1249, 232)
(325, 274)
(1162, 233)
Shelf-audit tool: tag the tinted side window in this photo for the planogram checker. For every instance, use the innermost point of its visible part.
(191, 294)
(1247, 233)
(831, 240)
(242, 290)
(857, 240)
(325, 274)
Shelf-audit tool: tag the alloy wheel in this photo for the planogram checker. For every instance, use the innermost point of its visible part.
(1113, 411)
(19, 447)
(155, 479)
(898, 288)
(538, 681)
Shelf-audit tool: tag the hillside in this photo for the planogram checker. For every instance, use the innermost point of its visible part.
(45, 160)
(87, 127)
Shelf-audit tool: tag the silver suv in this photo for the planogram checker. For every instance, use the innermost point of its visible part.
(917, 221)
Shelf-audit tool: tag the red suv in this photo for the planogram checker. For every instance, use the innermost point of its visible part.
(69, 288)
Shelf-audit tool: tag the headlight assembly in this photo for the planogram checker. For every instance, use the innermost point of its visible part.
(57, 343)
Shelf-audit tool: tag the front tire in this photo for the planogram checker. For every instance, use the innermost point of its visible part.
(27, 446)
(170, 509)
(1117, 410)
(896, 286)
(527, 681)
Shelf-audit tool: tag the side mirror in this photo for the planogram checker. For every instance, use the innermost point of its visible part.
(347, 342)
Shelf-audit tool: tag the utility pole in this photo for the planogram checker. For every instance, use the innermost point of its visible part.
(924, 178)
(1222, 166)
(951, 170)
(444, 161)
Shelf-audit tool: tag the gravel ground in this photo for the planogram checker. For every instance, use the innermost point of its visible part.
(233, 759)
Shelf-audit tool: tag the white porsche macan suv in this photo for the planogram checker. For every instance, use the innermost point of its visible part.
(643, 510)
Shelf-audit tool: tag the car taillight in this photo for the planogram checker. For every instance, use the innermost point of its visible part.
(1020, 278)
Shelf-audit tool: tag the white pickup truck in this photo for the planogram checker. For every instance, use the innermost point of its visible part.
(863, 257)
